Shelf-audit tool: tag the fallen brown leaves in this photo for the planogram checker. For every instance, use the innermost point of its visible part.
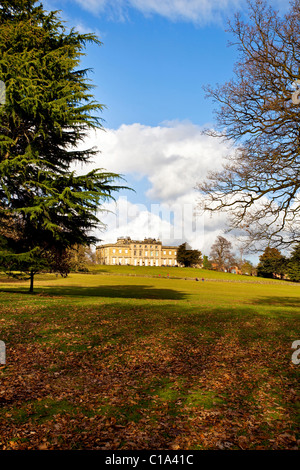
(150, 391)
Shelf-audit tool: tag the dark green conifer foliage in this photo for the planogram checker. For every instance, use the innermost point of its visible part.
(45, 207)
(188, 257)
(271, 263)
(293, 269)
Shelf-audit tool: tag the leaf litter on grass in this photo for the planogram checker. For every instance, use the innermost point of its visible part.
(132, 375)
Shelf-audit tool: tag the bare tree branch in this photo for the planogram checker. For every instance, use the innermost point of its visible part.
(259, 185)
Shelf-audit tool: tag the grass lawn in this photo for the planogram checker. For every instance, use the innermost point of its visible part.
(148, 358)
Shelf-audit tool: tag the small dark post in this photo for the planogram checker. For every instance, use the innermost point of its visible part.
(31, 281)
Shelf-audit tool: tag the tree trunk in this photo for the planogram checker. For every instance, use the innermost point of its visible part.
(31, 281)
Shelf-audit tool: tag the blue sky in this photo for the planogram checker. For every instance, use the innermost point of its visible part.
(150, 71)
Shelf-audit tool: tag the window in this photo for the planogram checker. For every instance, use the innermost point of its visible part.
(151, 253)
(120, 251)
(175, 252)
(170, 252)
(134, 252)
(140, 252)
(126, 251)
(165, 252)
(146, 253)
(114, 250)
(156, 253)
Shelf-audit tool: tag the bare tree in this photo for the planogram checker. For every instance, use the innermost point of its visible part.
(221, 255)
(259, 113)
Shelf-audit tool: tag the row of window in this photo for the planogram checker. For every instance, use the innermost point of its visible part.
(140, 262)
(146, 246)
(146, 252)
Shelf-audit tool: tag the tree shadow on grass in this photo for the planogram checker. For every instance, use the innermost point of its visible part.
(278, 301)
(108, 291)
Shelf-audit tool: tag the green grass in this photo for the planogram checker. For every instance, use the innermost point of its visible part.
(124, 358)
(173, 272)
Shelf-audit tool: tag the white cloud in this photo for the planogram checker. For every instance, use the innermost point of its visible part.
(172, 157)
(83, 28)
(173, 224)
(197, 11)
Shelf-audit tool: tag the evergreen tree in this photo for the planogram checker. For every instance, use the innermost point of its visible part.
(206, 263)
(48, 111)
(293, 269)
(271, 263)
(188, 257)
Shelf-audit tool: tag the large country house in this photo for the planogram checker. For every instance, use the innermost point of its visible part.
(149, 252)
